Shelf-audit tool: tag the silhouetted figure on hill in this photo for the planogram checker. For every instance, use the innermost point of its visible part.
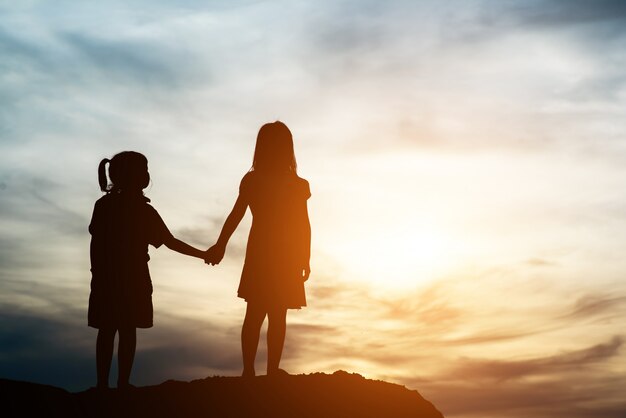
(277, 255)
(122, 226)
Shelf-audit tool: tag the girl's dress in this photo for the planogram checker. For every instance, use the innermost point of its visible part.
(278, 245)
(121, 290)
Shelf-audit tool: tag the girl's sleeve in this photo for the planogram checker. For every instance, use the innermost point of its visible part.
(158, 232)
(99, 239)
(244, 186)
(306, 190)
(95, 226)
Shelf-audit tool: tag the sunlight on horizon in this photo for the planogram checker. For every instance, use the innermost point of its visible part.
(397, 257)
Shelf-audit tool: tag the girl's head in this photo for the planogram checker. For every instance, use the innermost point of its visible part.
(274, 149)
(128, 171)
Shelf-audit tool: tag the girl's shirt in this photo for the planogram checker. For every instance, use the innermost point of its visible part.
(122, 227)
(280, 220)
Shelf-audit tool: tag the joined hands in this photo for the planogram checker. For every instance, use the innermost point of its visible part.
(214, 255)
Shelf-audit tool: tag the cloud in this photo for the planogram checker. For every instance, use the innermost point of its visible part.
(441, 85)
(32, 217)
(186, 349)
(428, 306)
(477, 370)
(147, 62)
(570, 384)
(30, 201)
(66, 360)
(19, 52)
(169, 351)
(489, 20)
(567, 12)
(593, 306)
(540, 262)
(199, 237)
(423, 339)
(543, 399)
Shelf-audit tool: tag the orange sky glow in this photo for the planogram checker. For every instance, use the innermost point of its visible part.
(467, 173)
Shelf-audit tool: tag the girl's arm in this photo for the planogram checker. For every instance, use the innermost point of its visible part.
(181, 247)
(215, 254)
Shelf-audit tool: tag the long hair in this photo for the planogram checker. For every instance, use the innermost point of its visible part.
(274, 149)
(127, 170)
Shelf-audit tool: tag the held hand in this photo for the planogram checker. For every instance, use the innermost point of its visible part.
(214, 255)
(209, 257)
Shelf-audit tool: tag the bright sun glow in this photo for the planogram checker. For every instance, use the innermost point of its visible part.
(395, 229)
(398, 258)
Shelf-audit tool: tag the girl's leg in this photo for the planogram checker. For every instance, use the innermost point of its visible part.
(276, 330)
(126, 355)
(104, 355)
(250, 331)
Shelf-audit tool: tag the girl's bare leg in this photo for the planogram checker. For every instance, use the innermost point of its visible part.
(276, 330)
(250, 332)
(126, 355)
(104, 356)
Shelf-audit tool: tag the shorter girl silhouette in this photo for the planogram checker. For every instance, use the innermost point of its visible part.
(122, 226)
(278, 250)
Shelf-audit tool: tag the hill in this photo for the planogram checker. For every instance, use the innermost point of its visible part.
(315, 395)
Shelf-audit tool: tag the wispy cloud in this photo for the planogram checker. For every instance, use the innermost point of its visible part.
(432, 340)
(566, 384)
(597, 306)
(476, 370)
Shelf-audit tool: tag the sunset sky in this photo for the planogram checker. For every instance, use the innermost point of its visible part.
(467, 163)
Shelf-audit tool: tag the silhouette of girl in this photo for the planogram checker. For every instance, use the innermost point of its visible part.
(122, 226)
(277, 255)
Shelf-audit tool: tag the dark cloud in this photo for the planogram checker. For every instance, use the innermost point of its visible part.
(68, 85)
(599, 19)
(146, 63)
(568, 384)
(18, 52)
(403, 332)
(80, 58)
(68, 360)
(40, 232)
(24, 58)
(28, 199)
(314, 329)
(492, 336)
(45, 349)
(356, 27)
(548, 399)
(14, 254)
(477, 370)
(351, 46)
(570, 12)
(29, 294)
(180, 348)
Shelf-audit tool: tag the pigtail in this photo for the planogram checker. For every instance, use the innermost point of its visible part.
(102, 175)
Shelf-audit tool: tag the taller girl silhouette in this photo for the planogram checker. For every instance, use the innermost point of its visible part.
(279, 245)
